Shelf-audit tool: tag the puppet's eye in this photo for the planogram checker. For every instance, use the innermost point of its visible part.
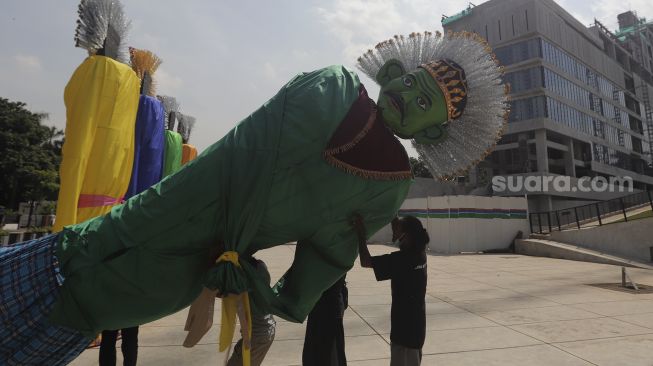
(421, 102)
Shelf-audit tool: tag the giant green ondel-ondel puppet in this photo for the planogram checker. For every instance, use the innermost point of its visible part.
(296, 169)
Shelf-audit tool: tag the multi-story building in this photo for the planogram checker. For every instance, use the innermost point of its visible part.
(580, 102)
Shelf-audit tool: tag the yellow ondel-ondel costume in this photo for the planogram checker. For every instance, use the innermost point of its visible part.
(101, 103)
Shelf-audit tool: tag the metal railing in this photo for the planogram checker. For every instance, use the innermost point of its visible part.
(593, 214)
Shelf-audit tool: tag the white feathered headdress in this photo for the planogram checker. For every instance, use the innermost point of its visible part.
(102, 28)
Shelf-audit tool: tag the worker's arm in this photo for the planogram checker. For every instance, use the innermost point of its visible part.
(363, 251)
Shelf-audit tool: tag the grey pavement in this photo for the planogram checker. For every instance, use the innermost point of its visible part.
(502, 309)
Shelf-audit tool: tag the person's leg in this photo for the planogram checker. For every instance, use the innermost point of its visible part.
(403, 356)
(262, 336)
(339, 326)
(129, 346)
(320, 347)
(236, 358)
(339, 343)
(257, 353)
(312, 339)
(108, 348)
(413, 356)
(260, 348)
(396, 356)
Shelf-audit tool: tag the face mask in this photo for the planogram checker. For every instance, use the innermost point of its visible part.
(412, 104)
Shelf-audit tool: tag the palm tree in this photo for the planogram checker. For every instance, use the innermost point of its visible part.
(54, 133)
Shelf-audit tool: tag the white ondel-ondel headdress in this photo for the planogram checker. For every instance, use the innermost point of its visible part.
(473, 135)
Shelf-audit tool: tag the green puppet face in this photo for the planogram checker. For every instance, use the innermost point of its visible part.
(411, 103)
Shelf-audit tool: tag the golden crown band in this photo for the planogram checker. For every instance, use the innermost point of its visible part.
(453, 90)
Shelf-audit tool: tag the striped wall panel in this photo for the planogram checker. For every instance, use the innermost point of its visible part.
(465, 213)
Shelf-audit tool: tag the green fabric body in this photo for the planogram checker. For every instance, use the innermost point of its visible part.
(265, 183)
(172, 152)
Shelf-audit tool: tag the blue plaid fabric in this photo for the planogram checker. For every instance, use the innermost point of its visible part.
(29, 282)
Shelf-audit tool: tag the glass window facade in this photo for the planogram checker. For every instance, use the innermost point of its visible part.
(571, 66)
(571, 117)
(566, 88)
(646, 149)
(541, 107)
(523, 80)
(636, 125)
(583, 90)
(537, 47)
(519, 52)
(566, 63)
(528, 79)
(609, 110)
(596, 104)
(529, 108)
(619, 96)
(637, 144)
(614, 135)
(621, 118)
(612, 157)
(598, 127)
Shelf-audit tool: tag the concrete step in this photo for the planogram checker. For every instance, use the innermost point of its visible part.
(553, 249)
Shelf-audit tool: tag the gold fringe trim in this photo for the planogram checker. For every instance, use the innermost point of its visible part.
(364, 173)
(359, 136)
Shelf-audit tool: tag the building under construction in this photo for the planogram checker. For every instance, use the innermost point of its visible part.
(635, 36)
(581, 97)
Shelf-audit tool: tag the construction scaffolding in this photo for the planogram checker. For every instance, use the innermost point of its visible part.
(625, 38)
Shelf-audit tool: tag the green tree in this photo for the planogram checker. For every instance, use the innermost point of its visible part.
(30, 153)
(419, 168)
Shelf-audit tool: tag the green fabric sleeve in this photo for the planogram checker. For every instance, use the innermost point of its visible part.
(328, 254)
(314, 105)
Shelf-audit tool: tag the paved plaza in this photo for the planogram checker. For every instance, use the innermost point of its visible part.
(500, 309)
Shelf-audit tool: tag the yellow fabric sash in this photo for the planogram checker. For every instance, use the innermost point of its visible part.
(232, 306)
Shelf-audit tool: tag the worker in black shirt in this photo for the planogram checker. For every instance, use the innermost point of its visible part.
(406, 268)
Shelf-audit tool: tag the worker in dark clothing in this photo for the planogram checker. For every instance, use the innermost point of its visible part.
(406, 268)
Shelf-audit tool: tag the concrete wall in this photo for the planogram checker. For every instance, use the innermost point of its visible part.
(424, 187)
(429, 187)
(466, 223)
(631, 240)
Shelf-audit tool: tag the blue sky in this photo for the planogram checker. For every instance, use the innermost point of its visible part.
(223, 59)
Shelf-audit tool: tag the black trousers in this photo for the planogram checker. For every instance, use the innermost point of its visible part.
(324, 343)
(129, 347)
